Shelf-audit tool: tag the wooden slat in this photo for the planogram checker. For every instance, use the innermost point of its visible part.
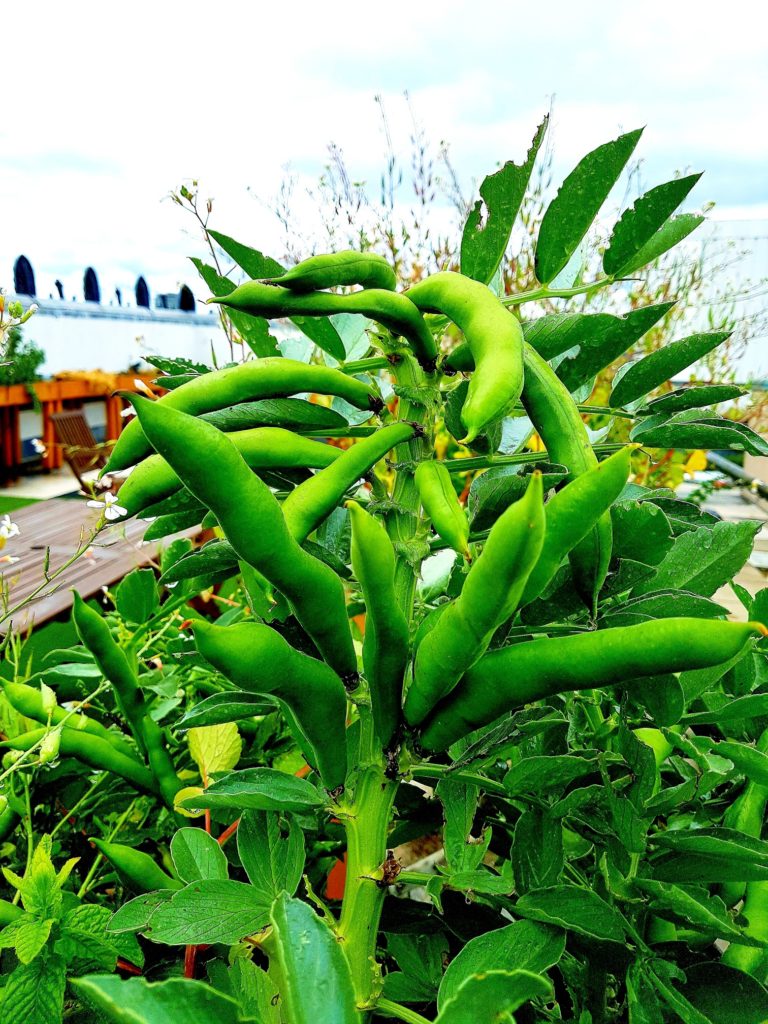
(62, 525)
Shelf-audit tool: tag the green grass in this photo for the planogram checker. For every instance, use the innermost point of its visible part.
(8, 504)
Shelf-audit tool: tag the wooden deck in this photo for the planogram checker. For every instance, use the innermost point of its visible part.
(63, 525)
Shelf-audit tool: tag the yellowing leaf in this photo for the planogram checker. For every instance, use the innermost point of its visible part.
(215, 748)
(189, 792)
(696, 461)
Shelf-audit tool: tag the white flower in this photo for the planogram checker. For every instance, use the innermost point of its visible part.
(38, 445)
(127, 411)
(7, 530)
(108, 505)
(8, 560)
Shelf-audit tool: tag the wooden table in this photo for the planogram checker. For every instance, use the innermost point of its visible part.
(62, 525)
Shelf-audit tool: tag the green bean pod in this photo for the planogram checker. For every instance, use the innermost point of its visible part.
(494, 337)
(214, 471)
(558, 422)
(441, 503)
(93, 751)
(273, 377)
(307, 505)
(573, 512)
(385, 644)
(509, 678)
(392, 310)
(750, 959)
(28, 701)
(135, 868)
(261, 447)
(338, 269)
(491, 593)
(97, 638)
(257, 659)
(9, 819)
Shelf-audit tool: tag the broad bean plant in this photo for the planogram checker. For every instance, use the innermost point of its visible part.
(455, 729)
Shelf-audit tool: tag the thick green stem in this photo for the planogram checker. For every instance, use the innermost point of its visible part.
(367, 824)
(403, 523)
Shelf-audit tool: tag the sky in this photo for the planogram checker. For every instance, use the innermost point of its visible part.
(109, 106)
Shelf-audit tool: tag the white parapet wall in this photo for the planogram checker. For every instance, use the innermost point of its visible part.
(93, 336)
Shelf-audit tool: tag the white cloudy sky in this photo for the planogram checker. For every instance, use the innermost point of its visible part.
(107, 106)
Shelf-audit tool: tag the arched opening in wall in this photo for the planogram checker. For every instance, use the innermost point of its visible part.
(23, 277)
(186, 299)
(91, 286)
(142, 293)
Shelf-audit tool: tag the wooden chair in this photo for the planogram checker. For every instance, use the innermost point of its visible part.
(79, 447)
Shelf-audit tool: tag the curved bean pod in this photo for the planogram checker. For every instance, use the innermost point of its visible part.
(332, 270)
(513, 676)
(490, 595)
(93, 751)
(257, 659)
(307, 505)
(214, 471)
(559, 424)
(494, 337)
(392, 310)
(573, 512)
(385, 645)
(273, 377)
(261, 447)
(440, 501)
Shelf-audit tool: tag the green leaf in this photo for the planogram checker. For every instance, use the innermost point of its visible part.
(492, 492)
(254, 990)
(459, 800)
(703, 560)
(524, 945)
(30, 935)
(725, 995)
(542, 774)
(687, 430)
(577, 910)
(577, 203)
(420, 959)
(752, 706)
(134, 915)
(677, 1002)
(750, 761)
(666, 238)
(214, 557)
(136, 1001)
(136, 597)
(254, 330)
(639, 223)
(556, 333)
(289, 413)
(210, 911)
(229, 706)
(641, 531)
(710, 855)
(695, 397)
(694, 906)
(34, 992)
(84, 951)
(197, 855)
(259, 789)
(165, 525)
(484, 241)
(271, 852)
(537, 850)
(317, 981)
(605, 339)
(667, 604)
(257, 265)
(40, 888)
(493, 997)
(664, 364)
